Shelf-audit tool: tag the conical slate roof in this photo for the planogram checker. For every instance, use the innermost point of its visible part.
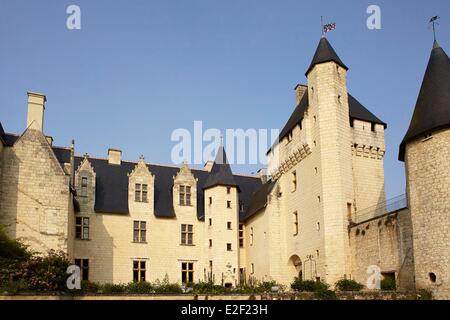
(220, 174)
(325, 53)
(432, 109)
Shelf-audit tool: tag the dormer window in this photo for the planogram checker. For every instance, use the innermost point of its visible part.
(289, 136)
(141, 192)
(185, 195)
(241, 206)
(84, 183)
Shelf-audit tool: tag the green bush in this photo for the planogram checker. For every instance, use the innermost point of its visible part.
(325, 294)
(142, 287)
(165, 287)
(110, 288)
(266, 286)
(388, 284)
(424, 294)
(348, 285)
(12, 250)
(42, 273)
(90, 287)
(207, 288)
(304, 285)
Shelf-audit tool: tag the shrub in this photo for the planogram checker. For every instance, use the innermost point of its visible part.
(113, 288)
(348, 285)
(90, 287)
(207, 288)
(388, 284)
(142, 287)
(424, 294)
(304, 285)
(42, 273)
(266, 286)
(12, 250)
(165, 287)
(325, 294)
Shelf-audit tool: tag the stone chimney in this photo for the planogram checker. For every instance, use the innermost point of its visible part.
(208, 166)
(114, 156)
(300, 90)
(49, 140)
(263, 175)
(36, 107)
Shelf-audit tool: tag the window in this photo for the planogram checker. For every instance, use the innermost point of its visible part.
(84, 183)
(318, 226)
(294, 181)
(138, 271)
(82, 228)
(251, 236)
(229, 204)
(210, 200)
(295, 219)
(187, 234)
(228, 246)
(84, 268)
(349, 211)
(140, 192)
(210, 222)
(241, 235)
(241, 206)
(252, 268)
(139, 231)
(210, 243)
(185, 195)
(187, 272)
(289, 136)
(229, 225)
(228, 190)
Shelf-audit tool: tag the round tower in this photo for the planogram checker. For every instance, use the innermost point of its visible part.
(426, 153)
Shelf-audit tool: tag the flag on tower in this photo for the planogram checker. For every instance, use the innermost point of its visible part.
(329, 27)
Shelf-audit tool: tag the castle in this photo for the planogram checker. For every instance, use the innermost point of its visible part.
(319, 211)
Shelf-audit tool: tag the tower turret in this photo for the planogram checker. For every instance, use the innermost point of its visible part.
(222, 222)
(426, 153)
(331, 135)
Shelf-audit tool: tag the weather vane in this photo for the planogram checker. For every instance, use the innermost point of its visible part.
(434, 22)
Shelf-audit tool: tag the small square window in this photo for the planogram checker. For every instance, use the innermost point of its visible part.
(229, 225)
(228, 246)
(229, 204)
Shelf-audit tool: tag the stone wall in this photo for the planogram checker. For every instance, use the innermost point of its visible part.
(36, 203)
(428, 186)
(386, 242)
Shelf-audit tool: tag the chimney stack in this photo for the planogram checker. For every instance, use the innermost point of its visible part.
(36, 107)
(49, 140)
(114, 156)
(300, 90)
(263, 175)
(208, 166)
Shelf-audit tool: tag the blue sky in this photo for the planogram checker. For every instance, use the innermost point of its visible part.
(139, 69)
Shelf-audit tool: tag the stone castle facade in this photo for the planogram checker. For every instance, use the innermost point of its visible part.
(318, 212)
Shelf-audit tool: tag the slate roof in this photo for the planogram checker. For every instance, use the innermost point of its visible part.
(432, 110)
(325, 53)
(220, 172)
(112, 187)
(259, 200)
(356, 112)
